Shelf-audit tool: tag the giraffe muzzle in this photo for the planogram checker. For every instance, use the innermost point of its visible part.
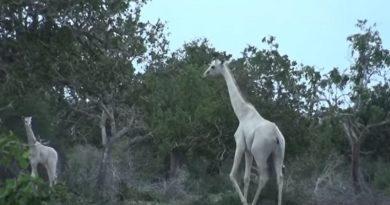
(206, 73)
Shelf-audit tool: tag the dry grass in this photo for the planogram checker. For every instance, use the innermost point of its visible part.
(330, 184)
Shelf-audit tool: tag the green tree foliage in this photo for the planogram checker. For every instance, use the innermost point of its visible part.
(378, 109)
(11, 149)
(185, 113)
(19, 190)
(63, 52)
(79, 59)
(277, 86)
(24, 190)
(358, 95)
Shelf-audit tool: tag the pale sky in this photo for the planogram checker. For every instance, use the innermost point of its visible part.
(308, 31)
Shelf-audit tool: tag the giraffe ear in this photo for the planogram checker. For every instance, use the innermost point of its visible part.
(226, 63)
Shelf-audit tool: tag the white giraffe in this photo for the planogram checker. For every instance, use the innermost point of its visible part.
(41, 154)
(255, 137)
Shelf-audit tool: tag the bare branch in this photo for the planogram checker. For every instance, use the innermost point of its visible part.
(345, 114)
(10, 105)
(218, 137)
(378, 124)
(7, 76)
(348, 127)
(92, 99)
(324, 100)
(110, 114)
(104, 108)
(130, 131)
(103, 129)
(140, 138)
(85, 112)
(124, 130)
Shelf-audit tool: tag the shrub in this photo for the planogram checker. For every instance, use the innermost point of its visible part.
(24, 190)
(382, 177)
(12, 149)
(82, 169)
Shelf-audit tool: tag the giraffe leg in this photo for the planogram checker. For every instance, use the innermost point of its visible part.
(51, 172)
(240, 148)
(34, 171)
(278, 164)
(279, 181)
(247, 175)
(52, 167)
(263, 177)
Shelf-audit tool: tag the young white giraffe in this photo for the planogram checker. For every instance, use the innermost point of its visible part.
(41, 154)
(255, 137)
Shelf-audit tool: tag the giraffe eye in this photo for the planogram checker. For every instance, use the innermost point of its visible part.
(212, 67)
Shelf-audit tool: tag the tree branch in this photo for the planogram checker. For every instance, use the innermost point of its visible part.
(10, 105)
(350, 131)
(85, 112)
(218, 137)
(92, 99)
(110, 113)
(7, 77)
(387, 121)
(124, 130)
(140, 138)
(103, 129)
(129, 130)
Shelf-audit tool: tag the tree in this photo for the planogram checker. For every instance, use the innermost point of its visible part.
(81, 57)
(356, 91)
(181, 109)
(278, 87)
(104, 85)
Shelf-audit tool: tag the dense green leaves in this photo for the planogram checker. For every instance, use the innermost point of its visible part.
(11, 149)
(183, 109)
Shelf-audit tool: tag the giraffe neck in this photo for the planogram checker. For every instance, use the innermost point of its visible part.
(240, 106)
(30, 135)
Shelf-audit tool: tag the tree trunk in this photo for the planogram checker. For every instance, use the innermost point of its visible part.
(354, 136)
(355, 167)
(104, 163)
(102, 174)
(109, 135)
(173, 164)
(176, 160)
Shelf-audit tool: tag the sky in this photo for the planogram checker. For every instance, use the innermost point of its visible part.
(308, 31)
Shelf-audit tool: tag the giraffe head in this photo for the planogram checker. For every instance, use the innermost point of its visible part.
(27, 120)
(216, 68)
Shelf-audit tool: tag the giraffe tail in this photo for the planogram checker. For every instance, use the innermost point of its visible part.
(281, 143)
(280, 139)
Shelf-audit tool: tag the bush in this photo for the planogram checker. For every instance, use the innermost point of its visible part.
(11, 149)
(61, 195)
(328, 182)
(24, 190)
(382, 177)
(81, 169)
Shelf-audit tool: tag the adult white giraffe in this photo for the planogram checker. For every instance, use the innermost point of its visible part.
(255, 136)
(41, 154)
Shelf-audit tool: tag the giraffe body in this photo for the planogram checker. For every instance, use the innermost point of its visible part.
(256, 138)
(41, 154)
